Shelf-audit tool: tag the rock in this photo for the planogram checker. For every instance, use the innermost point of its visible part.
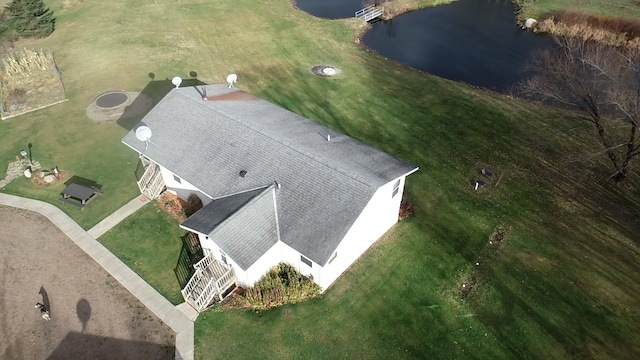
(50, 178)
(530, 22)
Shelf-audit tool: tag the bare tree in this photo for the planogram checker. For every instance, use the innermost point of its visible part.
(601, 82)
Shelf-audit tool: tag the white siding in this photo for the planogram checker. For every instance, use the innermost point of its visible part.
(292, 257)
(280, 252)
(262, 265)
(171, 184)
(208, 245)
(380, 214)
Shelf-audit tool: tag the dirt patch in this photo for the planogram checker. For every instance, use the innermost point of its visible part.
(93, 316)
(486, 256)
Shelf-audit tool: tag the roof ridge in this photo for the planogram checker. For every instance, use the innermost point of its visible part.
(243, 206)
(241, 192)
(306, 154)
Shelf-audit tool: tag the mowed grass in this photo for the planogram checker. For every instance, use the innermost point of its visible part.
(563, 285)
(541, 9)
(149, 243)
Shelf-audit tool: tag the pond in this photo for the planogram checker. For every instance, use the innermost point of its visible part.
(330, 9)
(471, 41)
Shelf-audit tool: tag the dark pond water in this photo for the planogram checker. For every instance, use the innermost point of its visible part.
(472, 41)
(330, 9)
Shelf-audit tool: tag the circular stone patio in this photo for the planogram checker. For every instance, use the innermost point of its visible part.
(114, 105)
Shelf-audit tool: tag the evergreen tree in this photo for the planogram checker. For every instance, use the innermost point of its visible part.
(31, 18)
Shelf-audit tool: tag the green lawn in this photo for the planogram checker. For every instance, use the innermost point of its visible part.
(541, 9)
(149, 243)
(563, 285)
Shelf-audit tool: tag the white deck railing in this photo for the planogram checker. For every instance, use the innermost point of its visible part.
(211, 279)
(151, 183)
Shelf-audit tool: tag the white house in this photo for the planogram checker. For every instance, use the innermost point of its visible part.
(276, 187)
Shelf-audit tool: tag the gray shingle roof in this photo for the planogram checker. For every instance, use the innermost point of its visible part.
(324, 184)
(209, 217)
(245, 224)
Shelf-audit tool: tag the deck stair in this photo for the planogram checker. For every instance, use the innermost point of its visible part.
(211, 280)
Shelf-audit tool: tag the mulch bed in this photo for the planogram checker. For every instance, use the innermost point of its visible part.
(39, 180)
(178, 208)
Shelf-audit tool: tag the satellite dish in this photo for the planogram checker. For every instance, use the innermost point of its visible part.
(176, 81)
(143, 133)
(231, 79)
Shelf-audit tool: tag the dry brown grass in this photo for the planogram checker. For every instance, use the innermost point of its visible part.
(67, 4)
(394, 8)
(607, 30)
(631, 28)
(29, 80)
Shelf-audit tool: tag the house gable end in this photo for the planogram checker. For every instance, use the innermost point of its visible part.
(249, 232)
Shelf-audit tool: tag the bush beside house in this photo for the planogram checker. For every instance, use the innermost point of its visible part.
(283, 284)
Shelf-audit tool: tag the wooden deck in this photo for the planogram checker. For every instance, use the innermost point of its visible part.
(151, 183)
(211, 282)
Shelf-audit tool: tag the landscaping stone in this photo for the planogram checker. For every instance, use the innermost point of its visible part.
(16, 169)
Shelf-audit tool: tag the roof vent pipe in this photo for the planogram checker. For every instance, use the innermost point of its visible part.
(328, 137)
(243, 173)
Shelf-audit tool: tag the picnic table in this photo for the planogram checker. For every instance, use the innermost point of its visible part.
(79, 195)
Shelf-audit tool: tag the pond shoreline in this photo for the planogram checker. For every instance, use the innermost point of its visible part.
(554, 25)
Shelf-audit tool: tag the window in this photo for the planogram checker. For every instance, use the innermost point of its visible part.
(335, 255)
(396, 188)
(306, 261)
(177, 179)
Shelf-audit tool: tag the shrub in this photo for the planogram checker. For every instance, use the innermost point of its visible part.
(406, 209)
(31, 18)
(283, 284)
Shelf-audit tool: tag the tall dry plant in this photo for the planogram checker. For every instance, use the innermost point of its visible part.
(585, 32)
(25, 63)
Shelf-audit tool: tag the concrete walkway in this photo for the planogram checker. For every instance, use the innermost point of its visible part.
(171, 315)
(120, 214)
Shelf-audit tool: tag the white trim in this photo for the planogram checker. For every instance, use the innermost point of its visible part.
(275, 209)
